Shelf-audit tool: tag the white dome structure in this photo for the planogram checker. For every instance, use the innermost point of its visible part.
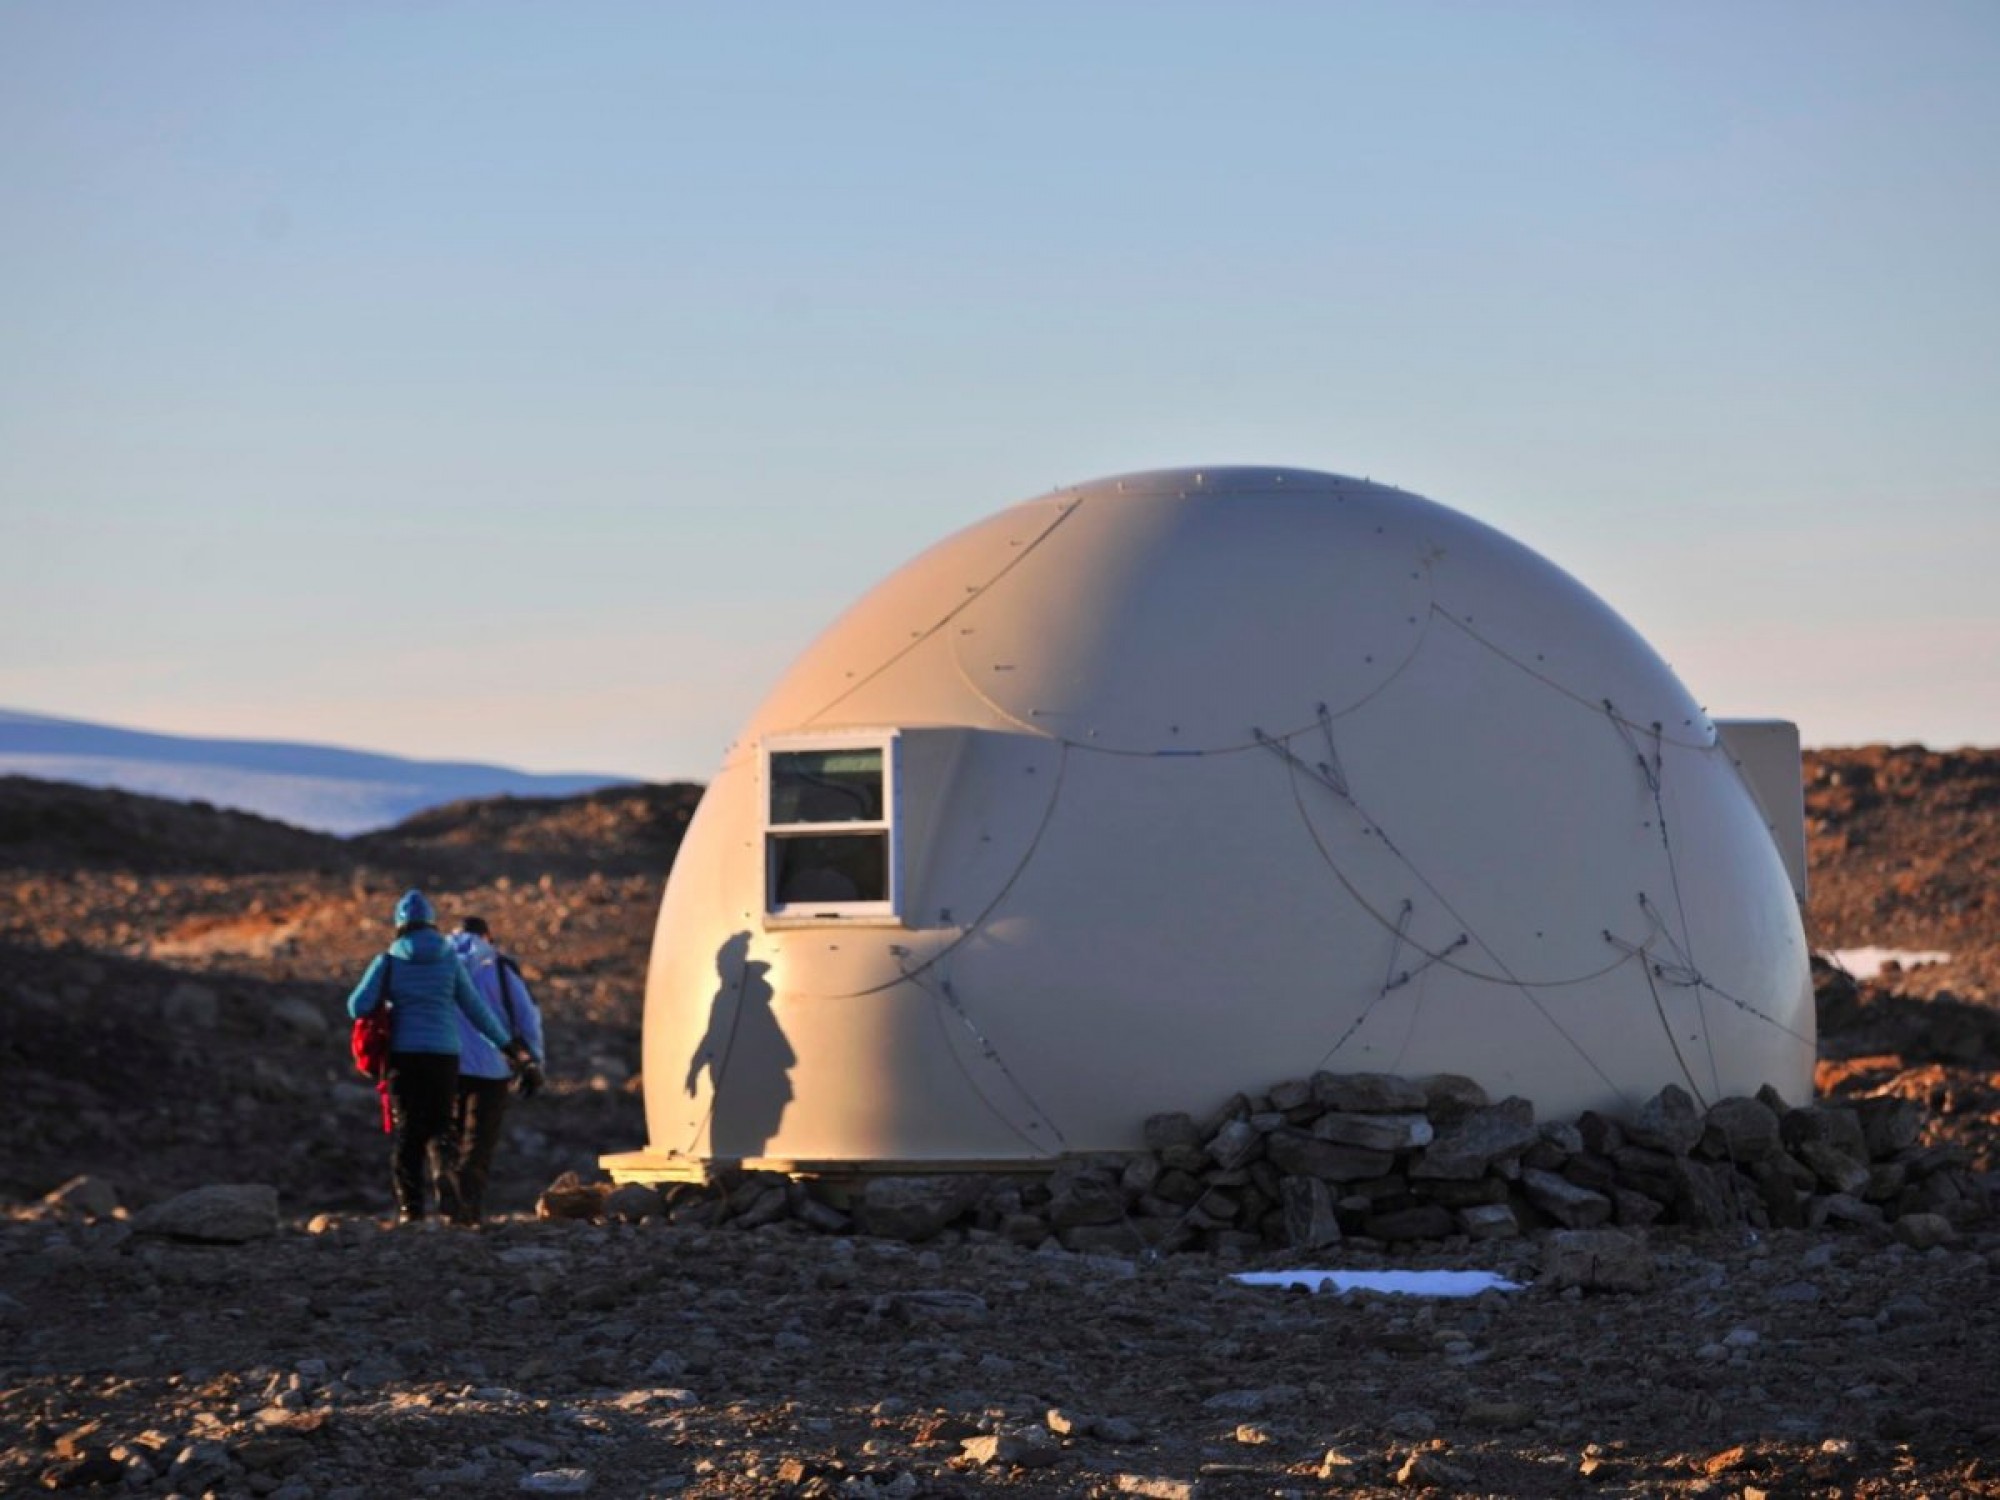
(1178, 784)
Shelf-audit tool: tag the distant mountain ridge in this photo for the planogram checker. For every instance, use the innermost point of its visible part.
(322, 787)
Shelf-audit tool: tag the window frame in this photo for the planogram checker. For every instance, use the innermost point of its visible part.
(884, 912)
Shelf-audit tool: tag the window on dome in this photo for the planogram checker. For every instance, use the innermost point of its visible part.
(829, 838)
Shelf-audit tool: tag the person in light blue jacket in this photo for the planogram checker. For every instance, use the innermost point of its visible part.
(484, 1075)
(426, 989)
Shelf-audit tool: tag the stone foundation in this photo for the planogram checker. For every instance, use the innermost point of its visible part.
(1383, 1159)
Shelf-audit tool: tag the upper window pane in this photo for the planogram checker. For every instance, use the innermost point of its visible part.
(827, 786)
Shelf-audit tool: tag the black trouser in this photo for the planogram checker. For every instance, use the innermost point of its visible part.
(423, 1087)
(480, 1112)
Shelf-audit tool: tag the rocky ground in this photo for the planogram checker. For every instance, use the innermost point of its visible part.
(1904, 846)
(170, 984)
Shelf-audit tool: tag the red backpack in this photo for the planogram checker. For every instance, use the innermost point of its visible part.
(370, 1042)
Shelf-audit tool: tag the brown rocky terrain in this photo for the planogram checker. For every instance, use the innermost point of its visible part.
(1904, 850)
(171, 980)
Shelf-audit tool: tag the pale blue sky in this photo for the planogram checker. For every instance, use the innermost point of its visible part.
(530, 382)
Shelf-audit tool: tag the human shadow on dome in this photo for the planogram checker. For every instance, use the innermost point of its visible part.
(748, 1058)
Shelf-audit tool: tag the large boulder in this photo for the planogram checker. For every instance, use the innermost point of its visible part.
(220, 1214)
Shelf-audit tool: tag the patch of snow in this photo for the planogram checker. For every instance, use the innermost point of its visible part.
(1405, 1283)
(1867, 963)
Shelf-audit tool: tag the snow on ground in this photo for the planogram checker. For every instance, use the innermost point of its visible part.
(1867, 963)
(1407, 1283)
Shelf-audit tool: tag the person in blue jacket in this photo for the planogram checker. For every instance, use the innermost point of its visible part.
(484, 1075)
(428, 990)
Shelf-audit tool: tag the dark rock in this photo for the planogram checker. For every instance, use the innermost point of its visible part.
(1886, 1181)
(1381, 1189)
(1889, 1124)
(1669, 1122)
(569, 1197)
(763, 1203)
(223, 1213)
(1544, 1156)
(1369, 1093)
(1293, 1097)
(1478, 1141)
(1234, 1143)
(1705, 1196)
(1569, 1205)
(1214, 1210)
(1140, 1175)
(1630, 1210)
(1488, 1221)
(268, 1453)
(1235, 1108)
(1832, 1166)
(1646, 1171)
(1842, 1208)
(1925, 1231)
(1025, 1229)
(912, 1208)
(1264, 1177)
(1297, 1154)
(1601, 1134)
(1454, 1193)
(1824, 1125)
(634, 1202)
(806, 1206)
(1375, 1132)
(1779, 1194)
(1450, 1097)
(1589, 1170)
(1499, 1415)
(1084, 1197)
(1309, 1218)
(1184, 1159)
(86, 1471)
(1739, 1130)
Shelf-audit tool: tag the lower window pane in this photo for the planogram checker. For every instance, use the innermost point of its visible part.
(829, 867)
